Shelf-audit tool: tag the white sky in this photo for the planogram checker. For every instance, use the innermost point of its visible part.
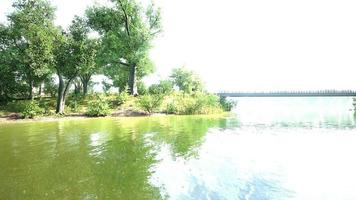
(251, 45)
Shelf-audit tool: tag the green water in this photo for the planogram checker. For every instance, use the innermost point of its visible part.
(93, 159)
(258, 154)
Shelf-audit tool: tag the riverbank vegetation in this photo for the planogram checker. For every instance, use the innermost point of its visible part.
(166, 97)
(46, 70)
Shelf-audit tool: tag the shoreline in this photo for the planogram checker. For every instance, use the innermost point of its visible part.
(9, 120)
(14, 117)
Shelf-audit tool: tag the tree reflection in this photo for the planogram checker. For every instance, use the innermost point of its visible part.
(184, 134)
(89, 159)
(111, 163)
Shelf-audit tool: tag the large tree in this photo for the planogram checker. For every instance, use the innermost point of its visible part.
(127, 30)
(73, 52)
(32, 32)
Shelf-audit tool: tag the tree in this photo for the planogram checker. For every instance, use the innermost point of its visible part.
(163, 87)
(187, 81)
(65, 68)
(127, 30)
(89, 65)
(71, 57)
(7, 64)
(33, 35)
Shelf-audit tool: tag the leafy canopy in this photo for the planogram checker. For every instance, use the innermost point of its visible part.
(32, 29)
(187, 81)
(127, 30)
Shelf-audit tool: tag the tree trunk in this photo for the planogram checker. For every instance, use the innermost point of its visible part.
(77, 88)
(60, 96)
(85, 82)
(85, 89)
(132, 81)
(62, 92)
(40, 90)
(30, 89)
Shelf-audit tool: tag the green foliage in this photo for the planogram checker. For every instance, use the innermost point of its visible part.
(50, 87)
(16, 106)
(75, 54)
(122, 98)
(127, 31)
(187, 81)
(196, 103)
(115, 99)
(89, 65)
(32, 33)
(11, 84)
(98, 107)
(227, 104)
(164, 87)
(48, 105)
(25, 48)
(73, 105)
(150, 103)
(141, 88)
(74, 51)
(106, 86)
(31, 110)
(76, 102)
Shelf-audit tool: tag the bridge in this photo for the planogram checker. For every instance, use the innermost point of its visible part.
(316, 93)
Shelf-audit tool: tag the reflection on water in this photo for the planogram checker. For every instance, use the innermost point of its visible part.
(273, 148)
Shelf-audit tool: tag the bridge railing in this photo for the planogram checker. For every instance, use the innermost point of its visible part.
(331, 92)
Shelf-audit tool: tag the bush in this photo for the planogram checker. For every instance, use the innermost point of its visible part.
(141, 88)
(98, 107)
(48, 105)
(73, 105)
(197, 103)
(75, 101)
(171, 108)
(164, 87)
(150, 103)
(122, 98)
(16, 106)
(31, 110)
(226, 104)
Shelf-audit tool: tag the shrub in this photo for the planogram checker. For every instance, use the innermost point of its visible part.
(48, 105)
(98, 107)
(74, 102)
(164, 87)
(150, 103)
(141, 88)
(226, 104)
(73, 105)
(122, 98)
(31, 110)
(171, 108)
(197, 103)
(16, 106)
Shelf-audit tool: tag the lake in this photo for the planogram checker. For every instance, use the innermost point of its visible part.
(270, 148)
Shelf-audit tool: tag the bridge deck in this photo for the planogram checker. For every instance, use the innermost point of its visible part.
(290, 94)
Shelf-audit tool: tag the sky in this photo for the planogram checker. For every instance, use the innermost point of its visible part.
(250, 45)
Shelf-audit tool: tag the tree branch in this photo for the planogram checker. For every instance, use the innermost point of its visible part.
(126, 18)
